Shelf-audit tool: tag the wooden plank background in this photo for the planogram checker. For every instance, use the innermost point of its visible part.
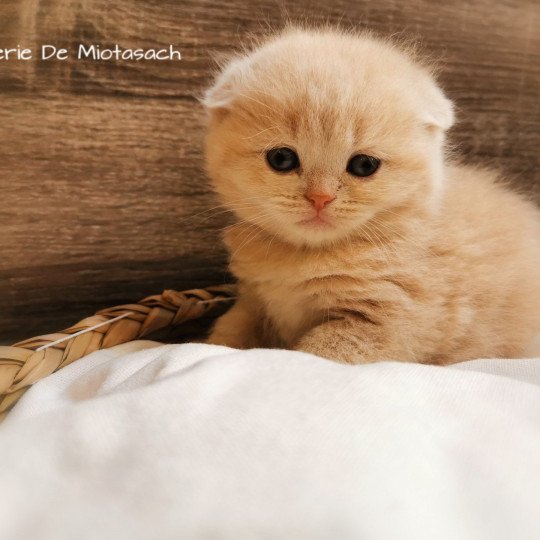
(101, 165)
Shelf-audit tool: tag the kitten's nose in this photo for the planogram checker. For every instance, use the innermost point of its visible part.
(319, 200)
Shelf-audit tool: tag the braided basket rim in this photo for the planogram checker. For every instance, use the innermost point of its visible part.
(30, 360)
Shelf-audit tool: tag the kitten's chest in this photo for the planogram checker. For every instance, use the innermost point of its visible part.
(296, 288)
(291, 310)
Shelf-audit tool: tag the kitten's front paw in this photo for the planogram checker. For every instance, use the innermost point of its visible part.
(342, 354)
(334, 346)
(231, 340)
(237, 328)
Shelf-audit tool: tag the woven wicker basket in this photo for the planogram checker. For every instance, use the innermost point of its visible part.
(26, 362)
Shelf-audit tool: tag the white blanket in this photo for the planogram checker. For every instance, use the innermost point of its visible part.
(197, 441)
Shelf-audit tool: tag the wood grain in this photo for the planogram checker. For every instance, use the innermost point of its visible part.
(101, 166)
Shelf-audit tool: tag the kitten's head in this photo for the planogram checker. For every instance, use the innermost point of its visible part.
(314, 133)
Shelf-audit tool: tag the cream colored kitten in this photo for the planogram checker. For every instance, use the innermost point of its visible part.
(355, 240)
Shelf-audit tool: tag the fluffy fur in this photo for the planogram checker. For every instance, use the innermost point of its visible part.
(424, 261)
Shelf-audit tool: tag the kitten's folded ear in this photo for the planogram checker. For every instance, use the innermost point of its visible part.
(438, 110)
(220, 97)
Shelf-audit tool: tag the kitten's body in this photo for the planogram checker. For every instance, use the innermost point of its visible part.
(444, 268)
(456, 292)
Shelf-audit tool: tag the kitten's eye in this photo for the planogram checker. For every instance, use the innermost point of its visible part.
(282, 159)
(362, 165)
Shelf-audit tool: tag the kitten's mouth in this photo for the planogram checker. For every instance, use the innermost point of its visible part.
(317, 221)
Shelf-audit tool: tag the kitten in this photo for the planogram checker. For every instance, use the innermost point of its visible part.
(356, 239)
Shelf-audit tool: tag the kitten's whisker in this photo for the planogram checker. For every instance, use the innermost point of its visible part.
(258, 102)
(387, 248)
(220, 206)
(231, 206)
(249, 117)
(268, 247)
(376, 244)
(262, 131)
(251, 237)
(394, 232)
(204, 219)
(255, 221)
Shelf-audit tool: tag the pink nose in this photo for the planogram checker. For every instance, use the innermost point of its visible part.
(319, 200)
